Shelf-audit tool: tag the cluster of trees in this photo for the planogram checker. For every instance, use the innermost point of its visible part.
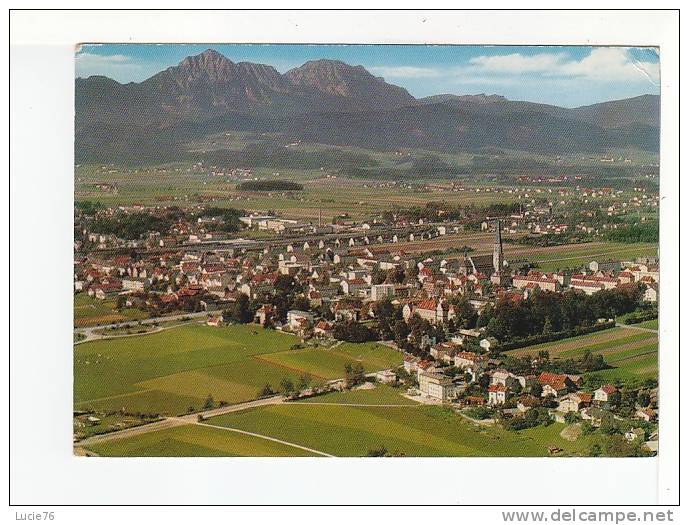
(616, 446)
(552, 239)
(353, 332)
(388, 316)
(240, 312)
(395, 275)
(390, 325)
(634, 233)
(132, 225)
(354, 374)
(439, 211)
(548, 312)
(588, 362)
(532, 418)
(645, 314)
(270, 185)
(480, 412)
(230, 218)
(285, 296)
(88, 207)
(287, 386)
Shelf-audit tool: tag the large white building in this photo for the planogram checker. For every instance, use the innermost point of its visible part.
(436, 386)
(380, 292)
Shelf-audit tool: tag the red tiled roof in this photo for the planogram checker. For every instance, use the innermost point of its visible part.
(584, 397)
(554, 380)
(608, 389)
(429, 304)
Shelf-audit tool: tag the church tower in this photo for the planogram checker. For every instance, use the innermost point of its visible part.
(463, 264)
(497, 249)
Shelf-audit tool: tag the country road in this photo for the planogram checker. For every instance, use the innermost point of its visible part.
(91, 335)
(176, 421)
(193, 419)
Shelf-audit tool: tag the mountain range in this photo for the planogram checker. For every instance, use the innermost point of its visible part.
(334, 103)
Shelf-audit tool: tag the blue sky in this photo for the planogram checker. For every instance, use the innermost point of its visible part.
(564, 76)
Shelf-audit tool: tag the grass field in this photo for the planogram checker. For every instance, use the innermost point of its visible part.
(632, 354)
(329, 363)
(380, 395)
(194, 441)
(341, 430)
(575, 255)
(182, 186)
(651, 325)
(419, 430)
(90, 312)
(171, 371)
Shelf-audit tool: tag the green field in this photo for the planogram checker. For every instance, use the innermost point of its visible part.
(642, 366)
(89, 312)
(171, 371)
(577, 255)
(348, 431)
(413, 431)
(632, 354)
(329, 363)
(194, 441)
(380, 395)
(651, 325)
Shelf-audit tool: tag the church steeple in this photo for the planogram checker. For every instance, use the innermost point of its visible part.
(497, 248)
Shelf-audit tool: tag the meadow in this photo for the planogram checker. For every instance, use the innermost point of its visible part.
(345, 424)
(631, 354)
(651, 325)
(380, 395)
(329, 364)
(418, 430)
(575, 255)
(89, 311)
(194, 441)
(173, 371)
(180, 186)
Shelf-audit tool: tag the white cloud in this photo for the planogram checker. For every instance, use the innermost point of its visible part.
(517, 63)
(87, 59)
(612, 64)
(112, 66)
(404, 71)
(607, 64)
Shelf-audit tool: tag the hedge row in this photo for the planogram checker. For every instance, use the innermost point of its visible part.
(554, 336)
(640, 318)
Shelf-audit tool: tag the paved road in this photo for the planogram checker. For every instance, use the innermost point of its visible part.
(177, 421)
(639, 328)
(89, 331)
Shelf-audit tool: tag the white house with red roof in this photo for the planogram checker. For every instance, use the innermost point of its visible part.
(323, 328)
(602, 395)
(497, 394)
(215, 320)
(554, 384)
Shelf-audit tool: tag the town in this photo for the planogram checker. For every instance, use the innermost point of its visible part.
(474, 332)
